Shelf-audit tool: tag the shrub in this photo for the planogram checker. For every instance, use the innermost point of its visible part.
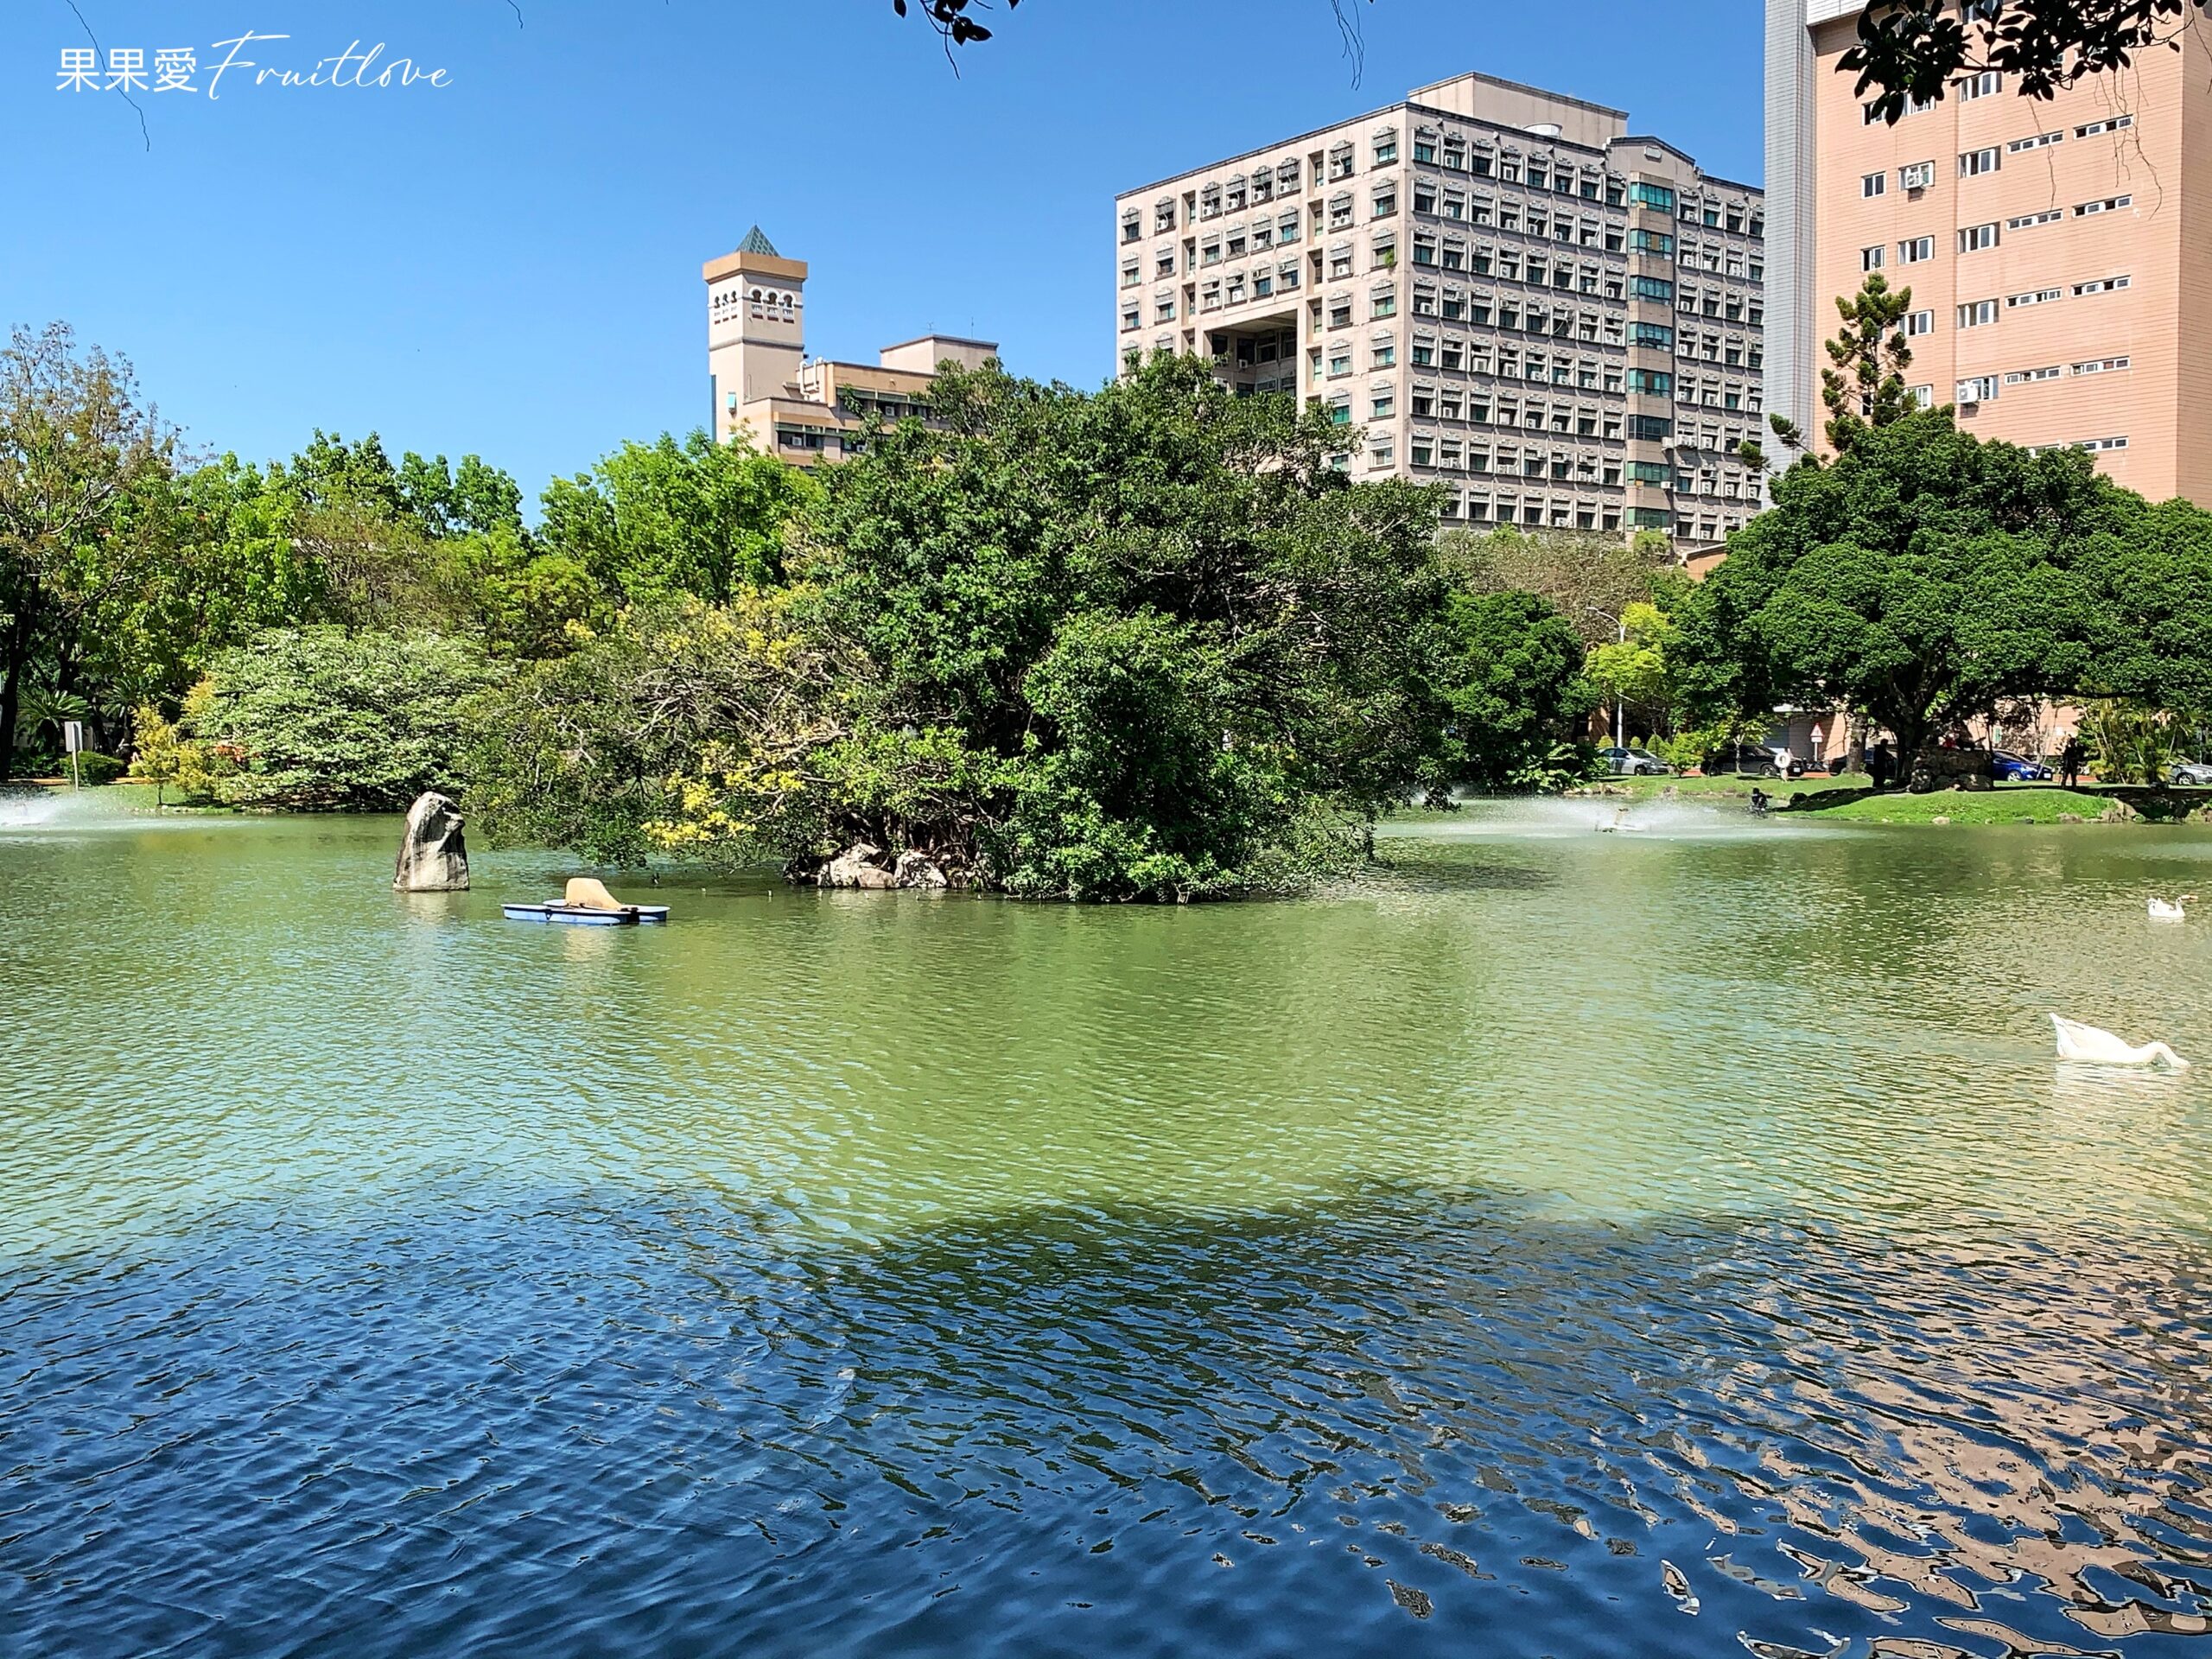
(319, 718)
(93, 769)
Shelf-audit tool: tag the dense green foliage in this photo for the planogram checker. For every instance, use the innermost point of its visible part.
(1145, 642)
(1925, 578)
(1521, 692)
(317, 717)
(1151, 642)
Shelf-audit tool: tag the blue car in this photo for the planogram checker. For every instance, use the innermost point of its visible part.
(2017, 769)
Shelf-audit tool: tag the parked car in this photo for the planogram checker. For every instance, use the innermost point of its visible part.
(2193, 772)
(2008, 768)
(1632, 762)
(1751, 760)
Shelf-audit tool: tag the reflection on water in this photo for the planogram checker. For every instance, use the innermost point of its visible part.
(1551, 1246)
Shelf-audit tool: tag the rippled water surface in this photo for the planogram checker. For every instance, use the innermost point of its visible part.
(1672, 1242)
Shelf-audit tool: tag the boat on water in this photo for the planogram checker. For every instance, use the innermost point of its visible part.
(554, 910)
(586, 904)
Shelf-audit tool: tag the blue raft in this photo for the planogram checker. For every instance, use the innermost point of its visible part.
(586, 915)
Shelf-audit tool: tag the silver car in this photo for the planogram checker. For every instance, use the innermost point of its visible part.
(1633, 763)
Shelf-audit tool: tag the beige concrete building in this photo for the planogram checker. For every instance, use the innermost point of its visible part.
(1503, 290)
(2059, 253)
(804, 410)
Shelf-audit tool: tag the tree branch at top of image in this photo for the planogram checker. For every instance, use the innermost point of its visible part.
(1909, 53)
(956, 21)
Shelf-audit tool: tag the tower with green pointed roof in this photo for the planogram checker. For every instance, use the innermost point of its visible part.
(756, 327)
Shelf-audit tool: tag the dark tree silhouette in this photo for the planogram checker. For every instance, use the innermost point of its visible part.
(1911, 51)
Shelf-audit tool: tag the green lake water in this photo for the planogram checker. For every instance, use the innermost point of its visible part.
(1678, 1241)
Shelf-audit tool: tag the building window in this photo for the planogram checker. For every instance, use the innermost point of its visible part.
(1974, 163)
(2109, 204)
(1977, 388)
(1873, 184)
(2101, 365)
(2028, 221)
(1647, 194)
(1386, 151)
(2113, 124)
(1644, 241)
(1914, 250)
(2034, 297)
(1919, 322)
(1975, 238)
(1656, 382)
(1652, 334)
(1870, 258)
(2103, 285)
(1132, 227)
(1987, 84)
(1916, 175)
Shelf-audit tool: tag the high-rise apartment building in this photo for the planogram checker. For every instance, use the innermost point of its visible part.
(1502, 287)
(804, 409)
(2059, 253)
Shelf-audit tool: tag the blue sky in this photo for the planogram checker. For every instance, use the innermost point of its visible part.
(510, 265)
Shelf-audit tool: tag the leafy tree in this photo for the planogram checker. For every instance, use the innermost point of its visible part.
(1130, 644)
(2150, 626)
(653, 521)
(80, 459)
(1519, 689)
(1588, 577)
(2129, 742)
(1923, 576)
(157, 751)
(681, 730)
(1866, 387)
(320, 718)
(1638, 669)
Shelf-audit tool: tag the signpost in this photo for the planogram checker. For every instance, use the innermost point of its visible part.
(72, 740)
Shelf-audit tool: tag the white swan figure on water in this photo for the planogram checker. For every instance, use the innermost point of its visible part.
(2163, 912)
(2091, 1046)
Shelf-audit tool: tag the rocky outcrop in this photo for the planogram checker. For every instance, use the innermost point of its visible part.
(865, 865)
(433, 856)
(1935, 769)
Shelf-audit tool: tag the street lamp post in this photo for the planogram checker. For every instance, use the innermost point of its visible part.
(1620, 628)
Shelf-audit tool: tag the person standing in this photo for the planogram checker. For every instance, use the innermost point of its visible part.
(1881, 764)
(2070, 762)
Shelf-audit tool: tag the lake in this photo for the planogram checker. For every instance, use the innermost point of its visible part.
(1679, 1240)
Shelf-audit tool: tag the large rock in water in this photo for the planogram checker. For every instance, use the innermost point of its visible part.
(433, 858)
(866, 865)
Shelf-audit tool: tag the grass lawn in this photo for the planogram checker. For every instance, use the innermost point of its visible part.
(2007, 803)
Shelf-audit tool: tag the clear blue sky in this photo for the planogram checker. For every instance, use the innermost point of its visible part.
(510, 265)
